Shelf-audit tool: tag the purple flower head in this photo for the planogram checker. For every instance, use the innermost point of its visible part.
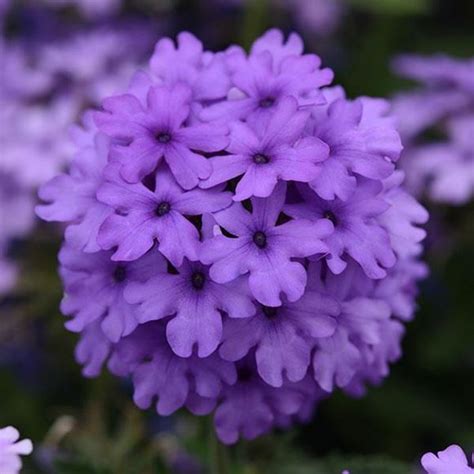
(263, 249)
(157, 130)
(451, 460)
(237, 239)
(11, 449)
(272, 71)
(278, 152)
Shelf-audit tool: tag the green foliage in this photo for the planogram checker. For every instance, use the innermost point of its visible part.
(393, 7)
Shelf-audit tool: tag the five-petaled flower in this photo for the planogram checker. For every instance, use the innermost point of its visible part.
(263, 249)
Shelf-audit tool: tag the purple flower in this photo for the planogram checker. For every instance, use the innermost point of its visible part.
(437, 71)
(451, 460)
(361, 326)
(362, 142)
(356, 230)
(251, 407)
(71, 197)
(263, 249)
(143, 215)
(402, 218)
(157, 130)
(159, 373)
(34, 140)
(204, 72)
(11, 449)
(271, 72)
(283, 336)
(196, 303)
(94, 286)
(399, 289)
(277, 152)
(445, 170)
(318, 17)
(93, 349)
(447, 90)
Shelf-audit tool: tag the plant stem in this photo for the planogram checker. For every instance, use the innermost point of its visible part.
(219, 455)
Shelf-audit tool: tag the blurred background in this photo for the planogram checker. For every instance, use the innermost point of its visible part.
(60, 57)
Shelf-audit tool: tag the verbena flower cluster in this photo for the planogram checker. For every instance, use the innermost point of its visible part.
(450, 461)
(46, 83)
(444, 104)
(238, 239)
(11, 449)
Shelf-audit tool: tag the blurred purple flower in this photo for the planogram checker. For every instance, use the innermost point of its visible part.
(11, 449)
(444, 169)
(451, 460)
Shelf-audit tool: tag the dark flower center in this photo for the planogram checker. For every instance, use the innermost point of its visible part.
(244, 374)
(260, 239)
(269, 311)
(120, 273)
(163, 137)
(330, 216)
(267, 102)
(198, 279)
(162, 209)
(260, 159)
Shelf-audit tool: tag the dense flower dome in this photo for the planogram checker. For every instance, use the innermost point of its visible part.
(238, 239)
